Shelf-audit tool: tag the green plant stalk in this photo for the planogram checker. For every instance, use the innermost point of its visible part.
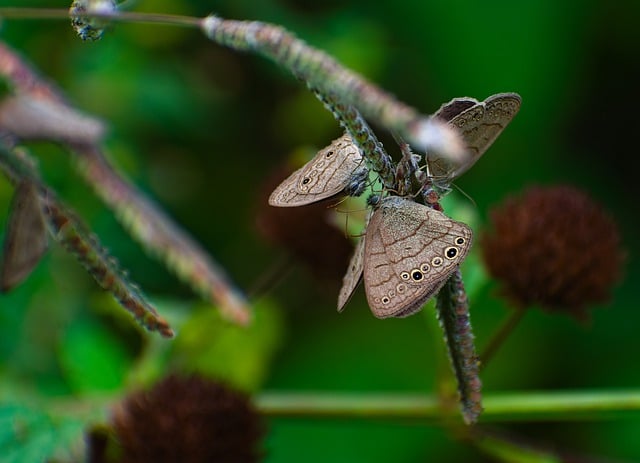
(503, 449)
(85, 247)
(498, 407)
(122, 16)
(500, 336)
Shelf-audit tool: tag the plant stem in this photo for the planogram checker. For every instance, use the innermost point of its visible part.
(73, 235)
(350, 118)
(316, 68)
(452, 305)
(500, 336)
(143, 219)
(323, 73)
(498, 407)
(120, 16)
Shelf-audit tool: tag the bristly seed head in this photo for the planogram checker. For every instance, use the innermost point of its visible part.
(188, 419)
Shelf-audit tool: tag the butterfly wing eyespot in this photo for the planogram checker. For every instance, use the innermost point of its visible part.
(451, 252)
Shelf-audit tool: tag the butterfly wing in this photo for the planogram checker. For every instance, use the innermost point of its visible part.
(479, 124)
(410, 252)
(353, 275)
(26, 240)
(331, 170)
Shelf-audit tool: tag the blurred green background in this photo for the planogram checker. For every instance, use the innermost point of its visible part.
(200, 128)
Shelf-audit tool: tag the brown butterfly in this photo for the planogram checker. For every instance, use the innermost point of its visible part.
(479, 124)
(333, 170)
(26, 239)
(410, 251)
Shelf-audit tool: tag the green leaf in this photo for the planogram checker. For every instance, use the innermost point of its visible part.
(239, 355)
(31, 435)
(93, 358)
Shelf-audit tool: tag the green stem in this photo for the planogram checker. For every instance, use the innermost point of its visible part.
(143, 219)
(498, 407)
(500, 336)
(120, 16)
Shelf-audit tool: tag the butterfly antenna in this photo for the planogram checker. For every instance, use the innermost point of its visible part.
(464, 193)
(346, 222)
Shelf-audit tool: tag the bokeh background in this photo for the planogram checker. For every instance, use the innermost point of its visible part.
(203, 130)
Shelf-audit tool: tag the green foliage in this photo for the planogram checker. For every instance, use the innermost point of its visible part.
(239, 356)
(93, 358)
(177, 103)
(29, 434)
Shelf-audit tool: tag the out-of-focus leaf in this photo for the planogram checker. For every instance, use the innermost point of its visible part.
(239, 356)
(28, 435)
(93, 358)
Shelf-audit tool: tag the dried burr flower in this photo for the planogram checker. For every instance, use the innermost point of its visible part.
(554, 247)
(305, 232)
(190, 419)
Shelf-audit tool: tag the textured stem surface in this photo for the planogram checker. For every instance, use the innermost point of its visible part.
(352, 121)
(453, 312)
(79, 241)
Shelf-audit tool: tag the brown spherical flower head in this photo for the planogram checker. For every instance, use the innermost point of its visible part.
(188, 419)
(554, 247)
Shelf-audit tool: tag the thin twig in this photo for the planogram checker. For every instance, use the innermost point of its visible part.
(501, 335)
(318, 69)
(119, 16)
